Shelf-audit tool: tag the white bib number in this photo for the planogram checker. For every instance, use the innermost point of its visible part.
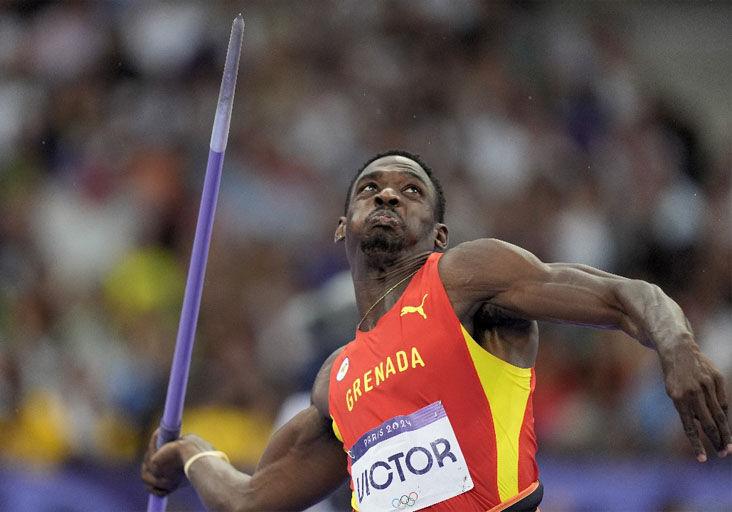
(409, 463)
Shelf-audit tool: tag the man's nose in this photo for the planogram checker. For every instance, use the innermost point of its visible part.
(387, 196)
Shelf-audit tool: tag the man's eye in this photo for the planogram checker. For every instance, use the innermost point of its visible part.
(369, 187)
(413, 189)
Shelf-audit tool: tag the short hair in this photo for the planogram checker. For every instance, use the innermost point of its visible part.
(439, 194)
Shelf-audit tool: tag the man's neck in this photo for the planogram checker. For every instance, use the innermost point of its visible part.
(371, 281)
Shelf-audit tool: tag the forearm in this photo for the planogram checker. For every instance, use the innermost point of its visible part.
(302, 464)
(644, 311)
(578, 294)
(651, 316)
(220, 486)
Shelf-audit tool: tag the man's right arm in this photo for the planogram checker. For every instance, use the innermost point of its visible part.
(302, 464)
(514, 279)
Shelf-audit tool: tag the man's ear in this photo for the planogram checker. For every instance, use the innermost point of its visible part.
(441, 237)
(340, 232)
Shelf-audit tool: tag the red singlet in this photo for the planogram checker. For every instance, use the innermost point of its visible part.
(419, 354)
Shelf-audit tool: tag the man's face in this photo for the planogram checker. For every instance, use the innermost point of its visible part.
(391, 208)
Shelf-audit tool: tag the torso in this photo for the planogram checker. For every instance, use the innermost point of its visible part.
(420, 353)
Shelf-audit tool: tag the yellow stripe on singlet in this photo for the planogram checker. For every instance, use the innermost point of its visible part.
(336, 431)
(507, 389)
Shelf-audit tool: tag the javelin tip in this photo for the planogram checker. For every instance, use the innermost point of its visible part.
(220, 132)
(237, 26)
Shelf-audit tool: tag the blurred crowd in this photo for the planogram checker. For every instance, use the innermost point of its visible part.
(540, 124)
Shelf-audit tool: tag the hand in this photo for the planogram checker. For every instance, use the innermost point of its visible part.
(697, 390)
(162, 469)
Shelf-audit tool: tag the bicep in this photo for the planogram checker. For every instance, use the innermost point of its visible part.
(513, 278)
(302, 464)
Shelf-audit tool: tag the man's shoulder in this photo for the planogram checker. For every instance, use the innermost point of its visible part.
(474, 272)
(458, 261)
(480, 246)
(484, 254)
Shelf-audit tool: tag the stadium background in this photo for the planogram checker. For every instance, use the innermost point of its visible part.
(587, 132)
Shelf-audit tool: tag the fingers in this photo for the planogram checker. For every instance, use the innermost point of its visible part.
(157, 488)
(159, 471)
(717, 400)
(158, 485)
(158, 479)
(152, 483)
(153, 445)
(692, 434)
(704, 406)
(155, 484)
(158, 492)
(706, 421)
(720, 392)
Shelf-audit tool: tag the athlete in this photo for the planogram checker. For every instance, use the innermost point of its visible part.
(430, 406)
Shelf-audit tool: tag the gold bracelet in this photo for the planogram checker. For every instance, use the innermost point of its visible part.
(211, 453)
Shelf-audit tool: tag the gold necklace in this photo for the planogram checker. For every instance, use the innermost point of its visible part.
(387, 292)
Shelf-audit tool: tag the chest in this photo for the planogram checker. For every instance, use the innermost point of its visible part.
(402, 365)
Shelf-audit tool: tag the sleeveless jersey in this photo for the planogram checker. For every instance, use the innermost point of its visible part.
(419, 362)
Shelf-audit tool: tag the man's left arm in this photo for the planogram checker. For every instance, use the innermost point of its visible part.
(510, 277)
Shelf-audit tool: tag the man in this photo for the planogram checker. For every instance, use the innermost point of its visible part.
(430, 405)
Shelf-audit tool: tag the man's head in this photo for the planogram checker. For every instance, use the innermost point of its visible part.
(395, 207)
(439, 194)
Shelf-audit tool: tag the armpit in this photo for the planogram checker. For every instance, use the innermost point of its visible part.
(506, 335)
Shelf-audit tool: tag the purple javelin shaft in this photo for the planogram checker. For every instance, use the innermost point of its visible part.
(175, 398)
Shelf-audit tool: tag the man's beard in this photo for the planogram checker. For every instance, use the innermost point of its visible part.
(382, 247)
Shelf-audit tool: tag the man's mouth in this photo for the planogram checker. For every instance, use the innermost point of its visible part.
(384, 218)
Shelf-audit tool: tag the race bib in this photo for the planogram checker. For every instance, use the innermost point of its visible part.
(409, 463)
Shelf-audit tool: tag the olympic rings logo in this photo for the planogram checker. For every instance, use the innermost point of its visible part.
(407, 500)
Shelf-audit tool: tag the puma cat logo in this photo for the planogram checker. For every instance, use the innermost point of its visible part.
(415, 309)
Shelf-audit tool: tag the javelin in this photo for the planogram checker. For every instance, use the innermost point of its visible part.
(173, 412)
